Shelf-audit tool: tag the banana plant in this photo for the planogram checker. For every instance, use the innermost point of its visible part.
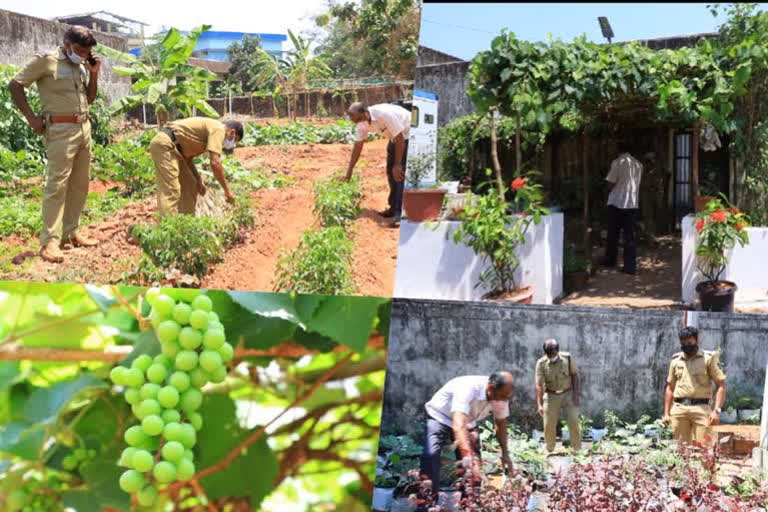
(166, 82)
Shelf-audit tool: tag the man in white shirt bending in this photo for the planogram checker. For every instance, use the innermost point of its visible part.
(625, 174)
(453, 415)
(394, 123)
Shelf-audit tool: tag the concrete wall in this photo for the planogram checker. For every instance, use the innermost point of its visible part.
(432, 266)
(449, 81)
(429, 56)
(623, 354)
(21, 37)
(746, 267)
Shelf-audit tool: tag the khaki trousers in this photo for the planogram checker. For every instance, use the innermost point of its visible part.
(553, 404)
(68, 147)
(689, 422)
(176, 185)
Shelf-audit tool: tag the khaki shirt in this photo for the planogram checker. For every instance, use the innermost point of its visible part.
(196, 135)
(555, 376)
(61, 84)
(693, 377)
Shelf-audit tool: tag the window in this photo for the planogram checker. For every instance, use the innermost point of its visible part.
(415, 117)
(429, 119)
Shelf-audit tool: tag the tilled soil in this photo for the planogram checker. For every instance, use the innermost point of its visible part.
(281, 215)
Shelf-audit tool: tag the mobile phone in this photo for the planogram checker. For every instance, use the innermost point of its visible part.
(91, 60)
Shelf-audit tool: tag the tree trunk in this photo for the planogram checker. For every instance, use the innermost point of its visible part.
(585, 174)
(518, 153)
(495, 157)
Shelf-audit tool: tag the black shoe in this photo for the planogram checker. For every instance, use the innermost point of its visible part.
(387, 213)
(607, 263)
(630, 272)
(396, 222)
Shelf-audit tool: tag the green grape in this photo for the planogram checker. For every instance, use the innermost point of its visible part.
(180, 381)
(151, 295)
(173, 451)
(191, 400)
(213, 338)
(210, 361)
(182, 294)
(168, 331)
(164, 305)
(80, 454)
(165, 472)
(202, 302)
(182, 312)
(135, 436)
(16, 500)
(149, 390)
(173, 432)
(186, 360)
(148, 407)
(185, 469)
(198, 378)
(131, 481)
(132, 396)
(170, 350)
(91, 453)
(157, 373)
(198, 319)
(69, 463)
(226, 352)
(142, 461)
(171, 416)
(117, 375)
(126, 458)
(156, 318)
(215, 325)
(134, 378)
(190, 338)
(188, 435)
(219, 374)
(163, 360)
(152, 425)
(142, 362)
(151, 444)
(213, 317)
(147, 496)
(188, 454)
(196, 419)
(168, 397)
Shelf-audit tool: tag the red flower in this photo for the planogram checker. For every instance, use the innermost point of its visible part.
(700, 225)
(739, 226)
(734, 210)
(518, 183)
(458, 211)
(718, 216)
(474, 215)
(713, 487)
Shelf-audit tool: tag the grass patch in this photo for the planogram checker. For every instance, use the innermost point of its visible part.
(19, 216)
(320, 264)
(337, 203)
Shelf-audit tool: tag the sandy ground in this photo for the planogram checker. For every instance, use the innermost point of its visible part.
(281, 216)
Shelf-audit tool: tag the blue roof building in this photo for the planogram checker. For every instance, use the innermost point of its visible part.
(213, 44)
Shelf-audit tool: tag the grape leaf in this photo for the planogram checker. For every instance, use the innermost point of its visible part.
(102, 476)
(269, 305)
(102, 299)
(347, 320)
(20, 439)
(146, 343)
(9, 370)
(44, 404)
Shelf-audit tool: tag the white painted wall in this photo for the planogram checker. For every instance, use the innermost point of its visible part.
(746, 267)
(431, 266)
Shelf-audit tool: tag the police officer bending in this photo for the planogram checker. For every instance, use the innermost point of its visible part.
(67, 83)
(692, 373)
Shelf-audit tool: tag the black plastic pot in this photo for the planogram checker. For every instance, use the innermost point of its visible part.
(717, 295)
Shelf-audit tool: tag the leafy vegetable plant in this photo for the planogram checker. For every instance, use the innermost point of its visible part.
(337, 203)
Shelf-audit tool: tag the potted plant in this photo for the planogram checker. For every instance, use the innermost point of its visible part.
(748, 407)
(719, 228)
(421, 203)
(494, 229)
(576, 270)
(729, 416)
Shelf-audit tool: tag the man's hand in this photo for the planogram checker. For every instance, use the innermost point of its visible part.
(540, 410)
(714, 419)
(666, 419)
(37, 123)
(397, 172)
(201, 188)
(346, 177)
(93, 68)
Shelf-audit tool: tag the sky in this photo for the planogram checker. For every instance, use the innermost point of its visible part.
(463, 29)
(254, 16)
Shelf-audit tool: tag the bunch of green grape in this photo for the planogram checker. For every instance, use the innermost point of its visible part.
(165, 392)
(35, 495)
(77, 458)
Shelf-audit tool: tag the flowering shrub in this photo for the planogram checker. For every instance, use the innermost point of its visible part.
(491, 229)
(719, 228)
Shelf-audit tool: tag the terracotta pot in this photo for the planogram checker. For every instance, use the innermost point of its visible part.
(423, 204)
(523, 295)
(701, 202)
(717, 295)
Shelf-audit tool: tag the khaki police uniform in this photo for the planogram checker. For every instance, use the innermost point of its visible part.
(691, 378)
(62, 89)
(176, 183)
(556, 383)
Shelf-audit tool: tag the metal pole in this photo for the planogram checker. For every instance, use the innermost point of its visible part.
(760, 454)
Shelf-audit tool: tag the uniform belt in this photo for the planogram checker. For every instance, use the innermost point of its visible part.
(76, 118)
(692, 401)
(553, 392)
(172, 136)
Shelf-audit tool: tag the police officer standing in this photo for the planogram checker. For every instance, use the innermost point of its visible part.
(557, 388)
(692, 373)
(67, 81)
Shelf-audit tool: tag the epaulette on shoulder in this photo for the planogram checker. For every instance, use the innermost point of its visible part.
(678, 355)
(42, 54)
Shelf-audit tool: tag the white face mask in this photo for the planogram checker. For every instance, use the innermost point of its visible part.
(554, 358)
(74, 58)
(229, 144)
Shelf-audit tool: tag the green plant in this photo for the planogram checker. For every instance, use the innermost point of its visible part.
(127, 162)
(575, 261)
(419, 165)
(337, 203)
(720, 227)
(492, 232)
(299, 132)
(16, 166)
(15, 133)
(319, 264)
(165, 81)
(19, 217)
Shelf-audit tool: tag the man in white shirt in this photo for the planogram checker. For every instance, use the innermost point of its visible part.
(394, 123)
(453, 415)
(623, 201)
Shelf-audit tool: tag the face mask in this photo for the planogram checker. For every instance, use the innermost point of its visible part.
(689, 349)
(74, 58)
(554, 358)
(229, 144)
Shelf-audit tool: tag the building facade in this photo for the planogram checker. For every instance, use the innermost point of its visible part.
(213, 44)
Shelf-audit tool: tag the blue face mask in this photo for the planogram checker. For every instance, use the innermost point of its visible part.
(75, 58)
(229, 144)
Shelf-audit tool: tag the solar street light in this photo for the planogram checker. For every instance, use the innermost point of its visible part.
(605, 27)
